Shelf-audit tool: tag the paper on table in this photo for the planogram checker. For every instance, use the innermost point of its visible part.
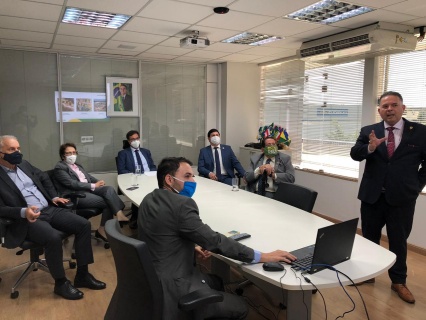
(150, 173)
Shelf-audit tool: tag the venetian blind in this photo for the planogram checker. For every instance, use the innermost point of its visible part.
(320, 105)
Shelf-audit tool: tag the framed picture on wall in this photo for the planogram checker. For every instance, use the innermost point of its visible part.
(122, 97)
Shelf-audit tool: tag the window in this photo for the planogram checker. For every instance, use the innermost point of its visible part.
(320, 106)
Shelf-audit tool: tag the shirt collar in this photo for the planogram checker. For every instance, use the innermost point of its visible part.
(399, 125)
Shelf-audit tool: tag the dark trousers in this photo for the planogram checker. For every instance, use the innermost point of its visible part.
(46, 231)
(398, 221)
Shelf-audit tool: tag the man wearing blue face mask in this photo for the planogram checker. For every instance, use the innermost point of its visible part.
(269, 169)
(170, 224)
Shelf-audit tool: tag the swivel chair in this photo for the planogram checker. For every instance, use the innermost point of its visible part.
(35, 262)
(86, 213)
(296, 195)
(139, 294)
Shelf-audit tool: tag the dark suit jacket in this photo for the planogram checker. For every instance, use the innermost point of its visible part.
(229, 161)
(400, 176)
(126, 164)
(170, 225)
(283, 168)
(127, 103)
(66, 180)
(12, 201)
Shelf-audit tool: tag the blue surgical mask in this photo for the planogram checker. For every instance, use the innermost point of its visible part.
(188, 188)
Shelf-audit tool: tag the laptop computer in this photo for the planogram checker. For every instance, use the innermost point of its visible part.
(333, 245)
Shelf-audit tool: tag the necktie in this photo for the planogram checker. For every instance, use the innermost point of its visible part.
(391, 142)
(138, 158)
(261, 183)
(217, 163)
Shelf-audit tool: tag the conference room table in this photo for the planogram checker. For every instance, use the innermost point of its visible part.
(272, 225)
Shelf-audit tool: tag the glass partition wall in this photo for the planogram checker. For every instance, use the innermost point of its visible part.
(171, 107)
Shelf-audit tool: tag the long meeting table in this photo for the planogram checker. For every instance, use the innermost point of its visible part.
(272, 225)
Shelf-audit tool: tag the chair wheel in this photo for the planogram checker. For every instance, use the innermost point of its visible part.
(73, 256)
(106, 245)
(14, 295)
(72, 264)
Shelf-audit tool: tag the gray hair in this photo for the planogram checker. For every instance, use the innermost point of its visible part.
(2, 138)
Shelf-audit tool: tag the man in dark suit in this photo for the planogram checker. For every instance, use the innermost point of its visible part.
(170, 224)
(125, 98)
(269, 169)
(394, 175)
(28, 197)
(207, 166)
(130, 157)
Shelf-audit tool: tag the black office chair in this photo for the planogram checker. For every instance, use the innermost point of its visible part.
(86, 213)
(35, 263)
(139, 294)
(296, 195)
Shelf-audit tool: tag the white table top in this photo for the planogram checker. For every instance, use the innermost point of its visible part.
(272, 225)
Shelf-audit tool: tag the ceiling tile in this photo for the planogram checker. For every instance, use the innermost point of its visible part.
(33, 10)
(85, 31)
(175, 11)
(156, 56)
(79, 41)
(138, 37)
(237, 57)
(169, 50)
(27, 24)
(273, 8)
(130, 46)
(25, 35)
(17, 43)
(129, 7)
(284, 27)
(206, 54)
(155, 26)
(217, 3)
(227, 47)
(234, 21)
(118, 52)
(67, 48)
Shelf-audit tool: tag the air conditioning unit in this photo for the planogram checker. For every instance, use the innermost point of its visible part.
(380, 38)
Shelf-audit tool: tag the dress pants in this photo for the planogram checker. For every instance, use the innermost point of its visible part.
(399, 222)
(104, 198)
(45, 231)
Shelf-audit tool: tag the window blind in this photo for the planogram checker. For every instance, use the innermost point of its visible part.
(320, 106)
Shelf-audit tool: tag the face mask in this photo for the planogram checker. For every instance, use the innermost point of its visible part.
(270, 151)
(135, 144)
(13, 158)
(188, 188)
(215, 140)
(71, 159)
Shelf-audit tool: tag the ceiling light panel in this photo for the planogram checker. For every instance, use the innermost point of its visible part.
(252, 39)
(94, 18)
(328, 11)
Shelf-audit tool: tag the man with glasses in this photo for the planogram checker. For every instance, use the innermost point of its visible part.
(269, 169)
(129, 158)
(28, 197)
(170, 224)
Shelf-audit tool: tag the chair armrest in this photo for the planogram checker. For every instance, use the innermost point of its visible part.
(73, 196)
(4, 222)
(199, 298)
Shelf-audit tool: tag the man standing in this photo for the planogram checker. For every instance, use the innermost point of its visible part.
(127, 160)
(392, 180)
(170, 224)
(28, 197)
(218, 153)
(269, 169)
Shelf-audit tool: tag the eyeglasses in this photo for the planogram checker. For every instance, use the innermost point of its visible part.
(71, 153)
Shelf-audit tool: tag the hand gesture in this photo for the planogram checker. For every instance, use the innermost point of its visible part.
(212, 176)
(277, 256)
(99, 184)
(202, 253)
(32, 213)
(59, 200)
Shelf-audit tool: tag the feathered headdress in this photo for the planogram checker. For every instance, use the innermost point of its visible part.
(279, 133)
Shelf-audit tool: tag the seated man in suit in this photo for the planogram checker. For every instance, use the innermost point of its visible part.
(130, 157)
(170, 224)
(222, 153)
(71, 176)
(27, 196)
(269, 169)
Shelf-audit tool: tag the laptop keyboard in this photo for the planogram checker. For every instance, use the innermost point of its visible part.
(304, 263)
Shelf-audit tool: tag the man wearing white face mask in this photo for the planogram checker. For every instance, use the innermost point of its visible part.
(218, 161)
(127, 160)
(70, 176)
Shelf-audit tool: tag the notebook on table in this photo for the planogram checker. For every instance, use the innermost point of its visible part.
(333, 245)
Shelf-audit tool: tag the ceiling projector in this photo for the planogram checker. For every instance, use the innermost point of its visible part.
(194, 41)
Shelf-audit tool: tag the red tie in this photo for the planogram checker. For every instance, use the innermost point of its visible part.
(391, 142)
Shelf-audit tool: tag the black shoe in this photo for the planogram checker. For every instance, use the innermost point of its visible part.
(101, 237)
(68, 291)
(90, 282)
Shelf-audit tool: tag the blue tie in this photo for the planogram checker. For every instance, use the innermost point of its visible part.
(138, 158)
(217, 162)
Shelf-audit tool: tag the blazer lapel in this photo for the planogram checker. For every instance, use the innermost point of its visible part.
(379, 131)
(5, 177)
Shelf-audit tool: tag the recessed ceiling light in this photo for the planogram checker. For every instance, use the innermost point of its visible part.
(252, 39)
(328, 11)
(94, 18)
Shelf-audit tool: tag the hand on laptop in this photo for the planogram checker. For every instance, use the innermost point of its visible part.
(277, 256)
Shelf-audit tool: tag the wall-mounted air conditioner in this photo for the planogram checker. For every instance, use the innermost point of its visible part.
(380, 38)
